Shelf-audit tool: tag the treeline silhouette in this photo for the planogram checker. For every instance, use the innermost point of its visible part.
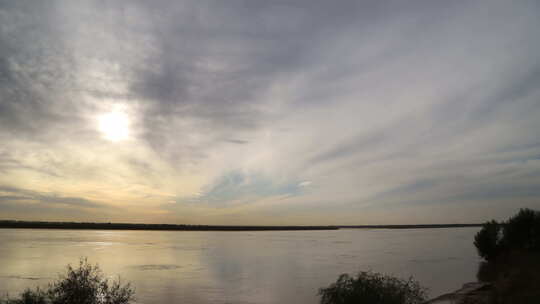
(173, 227)
(127, 226)
(419, 226)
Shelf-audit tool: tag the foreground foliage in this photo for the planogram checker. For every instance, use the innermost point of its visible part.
(82, 285)
(488, 240)
(521, 232)
(512, 253)
(372, 288)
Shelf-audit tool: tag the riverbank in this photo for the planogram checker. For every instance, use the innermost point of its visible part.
(469, 293)
(512, 277)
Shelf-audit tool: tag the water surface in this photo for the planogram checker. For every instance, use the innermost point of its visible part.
(203, 267)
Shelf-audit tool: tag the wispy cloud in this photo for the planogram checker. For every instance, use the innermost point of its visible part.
(287, 111)
(15, 194)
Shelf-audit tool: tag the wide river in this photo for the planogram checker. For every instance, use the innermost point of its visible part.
(238, 267)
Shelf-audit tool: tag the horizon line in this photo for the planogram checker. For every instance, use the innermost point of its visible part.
(202, 227)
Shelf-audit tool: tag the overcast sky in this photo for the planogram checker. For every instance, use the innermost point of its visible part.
(269, 112)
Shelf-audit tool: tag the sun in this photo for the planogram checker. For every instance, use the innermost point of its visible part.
(114, 126)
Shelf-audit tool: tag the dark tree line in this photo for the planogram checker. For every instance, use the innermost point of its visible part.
(129, 226)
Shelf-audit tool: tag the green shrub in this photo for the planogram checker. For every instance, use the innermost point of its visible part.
(522, 231)
(372, 288)
(29, 297)
(512, 251)
(82, 285)
(488, 240)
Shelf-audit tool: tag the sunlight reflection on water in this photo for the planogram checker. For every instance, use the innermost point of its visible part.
(238, 267)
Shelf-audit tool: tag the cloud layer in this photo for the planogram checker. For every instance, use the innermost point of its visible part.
(270, 112)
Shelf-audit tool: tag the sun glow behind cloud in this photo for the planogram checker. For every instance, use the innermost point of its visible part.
(299, 113)
(114, 125)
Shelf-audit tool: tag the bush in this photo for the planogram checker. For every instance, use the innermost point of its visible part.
(30, 297)
(372, 288)
(522, 231)
(488, 240)
(512, 251)
(82, 285)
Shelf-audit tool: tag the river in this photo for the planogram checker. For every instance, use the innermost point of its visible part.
(202, 267)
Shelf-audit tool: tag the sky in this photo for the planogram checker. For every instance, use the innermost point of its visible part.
(298, 112)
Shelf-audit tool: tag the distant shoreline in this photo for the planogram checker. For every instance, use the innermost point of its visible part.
(171, 227)
(418, 226)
